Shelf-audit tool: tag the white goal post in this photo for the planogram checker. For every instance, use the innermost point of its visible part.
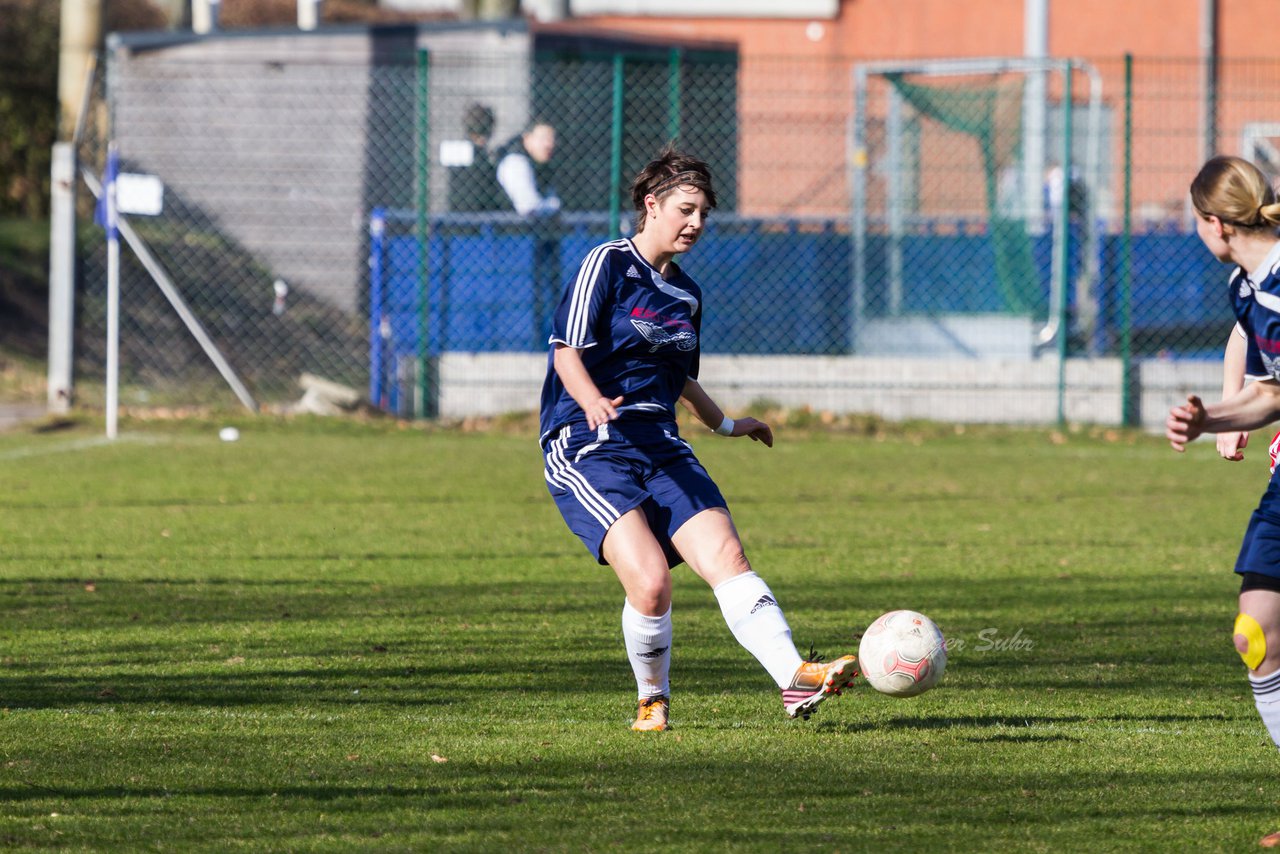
(1032, 166)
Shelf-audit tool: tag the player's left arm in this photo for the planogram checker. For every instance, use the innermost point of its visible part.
(697, 401)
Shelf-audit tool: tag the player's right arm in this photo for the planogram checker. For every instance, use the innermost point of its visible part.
(1255, 405)
(1231, 443)
(573, 329)
(577, 381)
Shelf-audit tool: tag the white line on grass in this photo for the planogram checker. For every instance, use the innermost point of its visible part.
(79, 445)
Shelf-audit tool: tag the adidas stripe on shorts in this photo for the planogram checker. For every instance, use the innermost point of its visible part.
(595, 476)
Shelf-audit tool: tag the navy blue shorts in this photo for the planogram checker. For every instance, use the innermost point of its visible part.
(597, 475)
(1260, 551)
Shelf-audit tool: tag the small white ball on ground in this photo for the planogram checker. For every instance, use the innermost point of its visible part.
(228, 434)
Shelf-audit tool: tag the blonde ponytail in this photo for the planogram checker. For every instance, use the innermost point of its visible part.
(1270, 215)
(1236, 192)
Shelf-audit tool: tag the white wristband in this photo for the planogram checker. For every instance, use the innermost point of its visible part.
(726, 427)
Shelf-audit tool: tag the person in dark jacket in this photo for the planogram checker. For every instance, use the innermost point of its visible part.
(475, 187)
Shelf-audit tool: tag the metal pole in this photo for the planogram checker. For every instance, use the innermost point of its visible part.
(895, 167)
(170, 291)
(204, 16)
(308, 14)
(857, 155)
(1209, 83)
(615, 149)
(1128, 408)
(424, 404)
(62, 276)
(674, 83)
(79, 35)
(377, 234)
(1063, 247)
(1034, 108)
(113, 291)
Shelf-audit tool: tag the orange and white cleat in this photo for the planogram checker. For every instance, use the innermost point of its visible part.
(815, 682)
(652, 715)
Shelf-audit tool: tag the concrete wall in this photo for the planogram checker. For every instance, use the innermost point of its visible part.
(971, 392)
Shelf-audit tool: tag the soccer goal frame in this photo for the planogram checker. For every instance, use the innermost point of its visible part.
(1034, 158)
(1258, 145)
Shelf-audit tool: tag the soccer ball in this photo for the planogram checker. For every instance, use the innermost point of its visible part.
(902, 654)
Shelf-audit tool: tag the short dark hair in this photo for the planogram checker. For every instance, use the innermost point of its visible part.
(477, 121)
(671, 169)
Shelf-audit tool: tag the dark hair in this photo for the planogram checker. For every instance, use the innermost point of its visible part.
(477, 121)
(534, 123)
(672, 169)
(1236, 192)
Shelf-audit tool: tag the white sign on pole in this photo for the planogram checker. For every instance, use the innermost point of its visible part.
(139, 195)
(457, 152)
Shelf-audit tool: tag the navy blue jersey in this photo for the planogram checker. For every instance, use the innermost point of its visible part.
(637, 331)
(1255, 298)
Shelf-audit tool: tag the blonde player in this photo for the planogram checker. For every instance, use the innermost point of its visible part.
(1237, 215)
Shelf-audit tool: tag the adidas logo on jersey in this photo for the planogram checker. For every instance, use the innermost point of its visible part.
(632, 272)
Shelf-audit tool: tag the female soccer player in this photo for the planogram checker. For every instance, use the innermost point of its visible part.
(624, 350)
(1236, 218)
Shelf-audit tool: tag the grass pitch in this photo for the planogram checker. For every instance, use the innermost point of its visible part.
(339, 636)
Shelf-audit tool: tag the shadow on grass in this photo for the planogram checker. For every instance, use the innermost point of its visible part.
(156, 641)
(576, 792)
(1022, 739)
(943, 722)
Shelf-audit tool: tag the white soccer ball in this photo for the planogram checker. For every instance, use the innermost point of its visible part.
(902, 654)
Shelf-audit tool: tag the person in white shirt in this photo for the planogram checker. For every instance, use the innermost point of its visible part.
(524, 173)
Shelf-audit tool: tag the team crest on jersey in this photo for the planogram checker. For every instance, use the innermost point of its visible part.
(660, 336)
(1269, 360)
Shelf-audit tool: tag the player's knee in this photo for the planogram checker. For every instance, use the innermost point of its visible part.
(1250, 640)
(730, 557)
(650, 592)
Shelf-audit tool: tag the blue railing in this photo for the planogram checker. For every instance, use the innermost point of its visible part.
(773, 285)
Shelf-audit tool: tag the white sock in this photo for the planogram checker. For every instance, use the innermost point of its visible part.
(1266, 696)
(648, 642)
(756, 620)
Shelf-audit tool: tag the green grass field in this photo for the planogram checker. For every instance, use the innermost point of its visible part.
(333, 636)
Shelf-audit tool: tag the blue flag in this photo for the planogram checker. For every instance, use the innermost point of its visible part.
(101, 215)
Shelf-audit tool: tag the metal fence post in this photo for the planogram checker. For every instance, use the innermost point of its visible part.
(615, 148)
(425, 404)
(1129, 410)
(673, 93)
(62, 267)
(857, 165)
(377, 322)
(1063, 248)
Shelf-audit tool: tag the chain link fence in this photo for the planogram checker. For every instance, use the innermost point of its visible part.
(929, 239)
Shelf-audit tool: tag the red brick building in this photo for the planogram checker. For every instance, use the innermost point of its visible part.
(1204, 72)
